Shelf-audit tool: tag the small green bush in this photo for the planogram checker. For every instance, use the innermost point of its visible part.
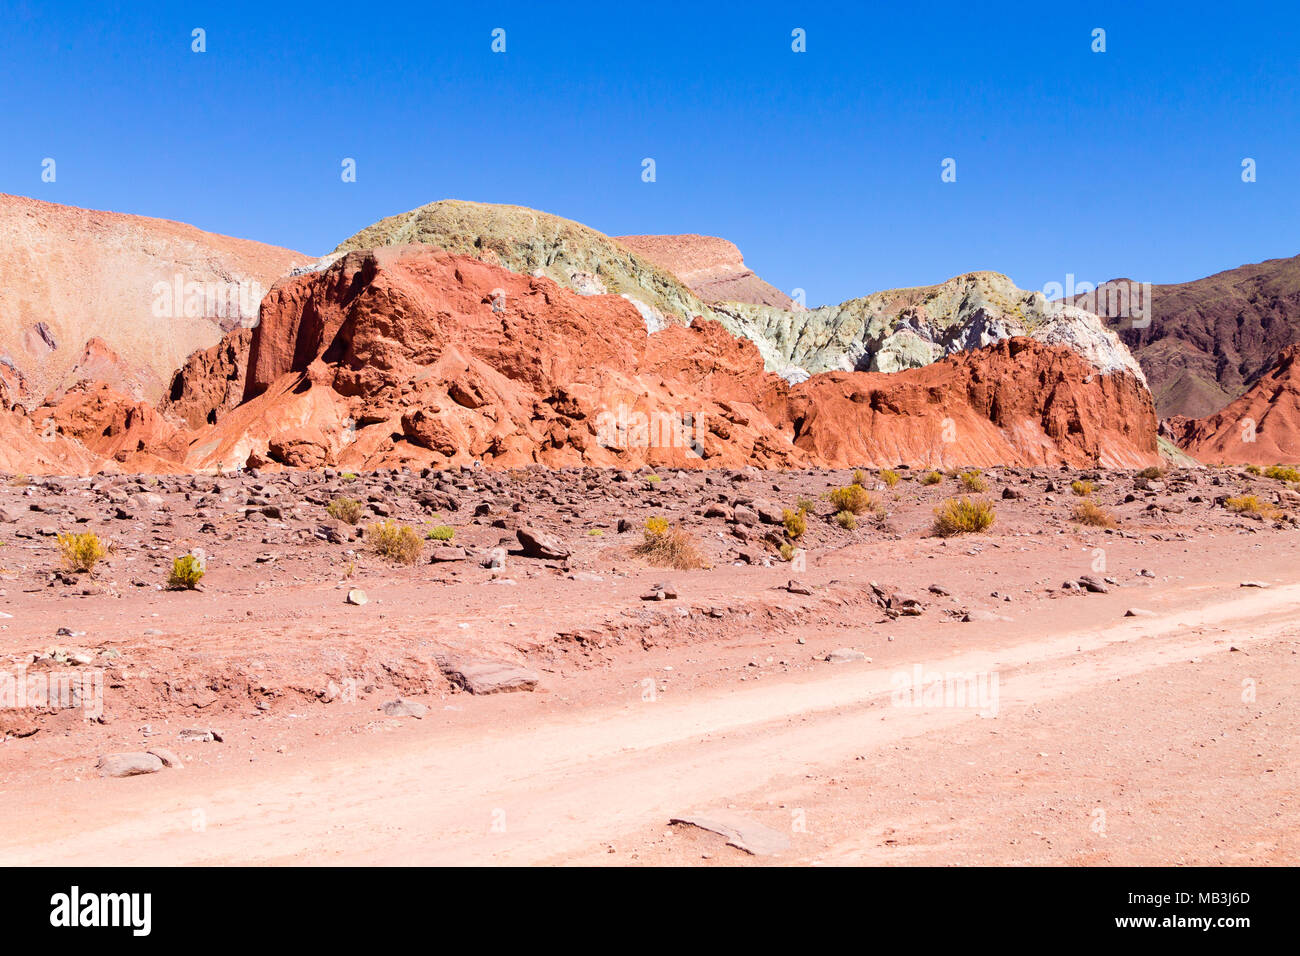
(186, 573)
(441, 532)
(796, 523)
(853, 498)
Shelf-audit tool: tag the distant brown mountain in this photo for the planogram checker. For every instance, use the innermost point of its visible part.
(1210, 339)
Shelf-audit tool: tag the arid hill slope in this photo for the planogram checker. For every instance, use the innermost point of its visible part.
(712, 267)
(123, 299)
(1210, 339)
(1262, 427)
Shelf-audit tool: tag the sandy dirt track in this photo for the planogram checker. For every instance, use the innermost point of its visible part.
(598, 784)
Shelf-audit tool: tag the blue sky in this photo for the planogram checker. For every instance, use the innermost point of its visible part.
(823, 166)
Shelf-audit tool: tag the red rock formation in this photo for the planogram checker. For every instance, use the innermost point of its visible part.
(711, 267)
(411, 355)
(1016, 402)
(88, 429)
(1262, 427)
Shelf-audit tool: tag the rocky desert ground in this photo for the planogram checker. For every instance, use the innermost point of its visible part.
(538, 686)
(488, 538)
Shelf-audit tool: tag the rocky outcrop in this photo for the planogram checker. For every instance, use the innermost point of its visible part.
(886, 331)
(211, 382)
(1018, 401)
(1210, 339)
(411, 355)
(123, 298)
(1262, 427)
(537, 243)
(909, 328)
(713, 268)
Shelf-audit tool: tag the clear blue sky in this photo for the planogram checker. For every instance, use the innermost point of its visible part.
(824, 167)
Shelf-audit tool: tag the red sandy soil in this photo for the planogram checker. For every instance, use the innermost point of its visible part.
(1116, 739)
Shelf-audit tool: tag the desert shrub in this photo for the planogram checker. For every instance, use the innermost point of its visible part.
(846, 520)
(853, 498)
(1282, 473)
(931, 478)
(796, 523)
(788, 551)
(973, 480)
(652, 480)
(668, 547)
(1081, 488)
(1246, 505)
(889, 477)
(347, 510)
(1151, 473)
(442, 532)
(397, 542)
(186, 572)
(349, 476)
(1089, 513)
(1254, 470)
(963, 516)
(806, 505)
(81, 551)
(860, 477)
(19, 480)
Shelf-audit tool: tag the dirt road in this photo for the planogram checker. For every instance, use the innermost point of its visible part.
(1055, 768)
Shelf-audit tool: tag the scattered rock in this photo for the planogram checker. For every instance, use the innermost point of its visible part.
(168, 757)
(753, 838)
(845, 655)
(129, 764)
(404, 708)
(539, 544)
(357, 596)
(489, 677)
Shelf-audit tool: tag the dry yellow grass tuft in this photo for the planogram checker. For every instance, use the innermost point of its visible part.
(81, 552)
(397, 542)
(963, 516)
(667, 547)
(1090, 513)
